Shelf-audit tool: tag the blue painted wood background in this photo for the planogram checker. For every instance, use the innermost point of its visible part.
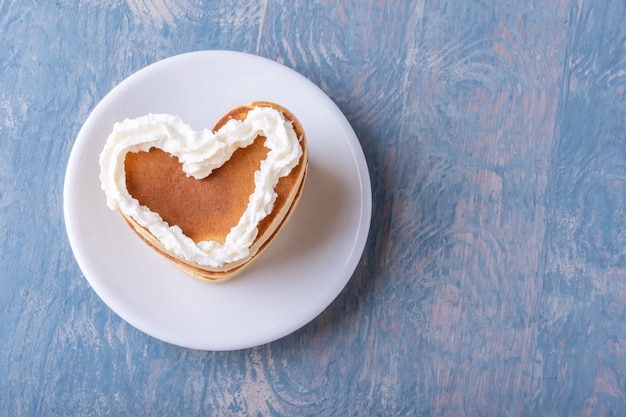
(494, 279)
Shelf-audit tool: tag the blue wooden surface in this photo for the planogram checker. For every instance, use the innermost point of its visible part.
(494, 279)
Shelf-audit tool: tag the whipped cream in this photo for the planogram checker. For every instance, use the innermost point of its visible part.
(200, 152)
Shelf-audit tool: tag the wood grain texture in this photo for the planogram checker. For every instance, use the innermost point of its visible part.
(494, 278)
(584, 281)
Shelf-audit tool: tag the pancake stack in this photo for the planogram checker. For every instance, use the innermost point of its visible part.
(207, 209)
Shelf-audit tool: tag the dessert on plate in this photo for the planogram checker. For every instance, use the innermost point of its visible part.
(210, 201)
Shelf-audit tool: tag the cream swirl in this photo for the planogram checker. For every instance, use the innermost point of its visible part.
(200, 152)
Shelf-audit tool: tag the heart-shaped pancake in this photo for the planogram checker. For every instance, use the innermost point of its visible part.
(210, 201)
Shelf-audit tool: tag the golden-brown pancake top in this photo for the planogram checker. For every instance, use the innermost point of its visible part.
(206, 209)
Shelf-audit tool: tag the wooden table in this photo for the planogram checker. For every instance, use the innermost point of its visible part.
(494, 278)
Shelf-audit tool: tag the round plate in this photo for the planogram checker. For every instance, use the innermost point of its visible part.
(300, 274)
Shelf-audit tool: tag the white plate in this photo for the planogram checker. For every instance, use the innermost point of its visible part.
(301, 273)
